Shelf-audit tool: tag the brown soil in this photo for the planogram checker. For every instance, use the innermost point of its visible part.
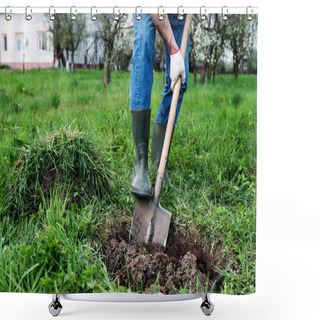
(151, 268)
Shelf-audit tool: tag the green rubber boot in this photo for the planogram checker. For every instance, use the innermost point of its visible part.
(140, 125)
(158, 134)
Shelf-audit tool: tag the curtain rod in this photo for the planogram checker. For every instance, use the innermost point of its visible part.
(202, 10)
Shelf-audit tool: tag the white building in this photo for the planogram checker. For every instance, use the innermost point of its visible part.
(26, 43)
(29, 44)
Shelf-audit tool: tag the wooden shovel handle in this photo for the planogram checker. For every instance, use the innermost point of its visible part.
(172, 114)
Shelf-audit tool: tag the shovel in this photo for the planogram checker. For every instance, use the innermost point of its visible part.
(150, 220)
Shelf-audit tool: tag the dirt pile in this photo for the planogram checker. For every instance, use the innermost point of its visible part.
(151, 268)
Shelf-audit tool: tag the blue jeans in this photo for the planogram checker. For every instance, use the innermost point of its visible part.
(143, 60)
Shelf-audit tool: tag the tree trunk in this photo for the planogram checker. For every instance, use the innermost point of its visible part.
(60, 55)
(209, 72)
(214, 73)
(67, 62)
(203, 73)
(107, 69)
(194, 69)
(96, 54)
(72, 61)
(205, 64)
(86, 59)
(213, 77)
(236, 62)
(236, 71)
(192, 56)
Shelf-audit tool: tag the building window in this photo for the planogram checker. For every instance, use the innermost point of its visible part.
(5, 43)
(42, 41)
(19, 41)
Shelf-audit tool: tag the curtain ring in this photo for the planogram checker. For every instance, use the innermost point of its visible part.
(160, 16)
(180, 14)
(224, 14)
(249, 15)
(138, 17)
(51, 15)
(8, 17)
(203, 16)
(28, 16)
(116, 16)
(93, 16)
(72, 15)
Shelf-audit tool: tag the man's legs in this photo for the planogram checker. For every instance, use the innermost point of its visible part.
(159, 126)
(143, 60)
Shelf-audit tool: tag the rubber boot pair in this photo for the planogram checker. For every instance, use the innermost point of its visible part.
(140, 125)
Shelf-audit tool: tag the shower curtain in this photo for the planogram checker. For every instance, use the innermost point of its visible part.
(84, 105)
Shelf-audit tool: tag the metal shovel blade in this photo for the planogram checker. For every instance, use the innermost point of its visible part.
(142, 222)
(161, 225)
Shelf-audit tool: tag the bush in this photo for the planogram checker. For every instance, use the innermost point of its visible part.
(65, 160)
(4, 66)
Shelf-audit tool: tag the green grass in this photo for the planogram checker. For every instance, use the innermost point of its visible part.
(212, 168)
(65, 159)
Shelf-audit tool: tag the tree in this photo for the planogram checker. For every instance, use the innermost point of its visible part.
(107, 32)
(209, 39)
(219, 44)
(251, 46)
(123, 46)
(74, 35)
(67, 36)
(58, 31)
(192, 50)
(199, 43)
(241, 38)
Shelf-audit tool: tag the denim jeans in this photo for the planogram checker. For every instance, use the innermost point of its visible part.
(143, 61)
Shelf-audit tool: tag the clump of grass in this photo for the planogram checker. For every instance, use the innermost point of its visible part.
(65, 159)
(55, 99)
(236, 99)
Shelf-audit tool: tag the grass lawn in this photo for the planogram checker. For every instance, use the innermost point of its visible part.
(212, 167)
